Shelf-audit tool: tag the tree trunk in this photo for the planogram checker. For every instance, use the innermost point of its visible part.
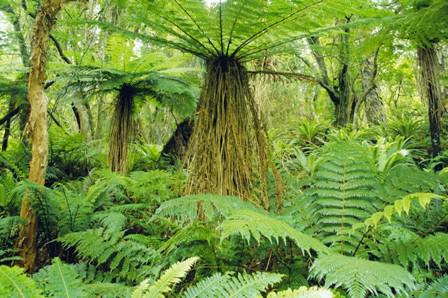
(8, 125)
(430, 84)
(374, 107)
(37, 125)
(227, 152)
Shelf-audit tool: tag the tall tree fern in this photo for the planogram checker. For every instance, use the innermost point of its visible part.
(228, 151)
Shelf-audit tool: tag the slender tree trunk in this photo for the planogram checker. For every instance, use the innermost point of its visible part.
(8, 125)
(430, 84)
(38, 125)
(374, 107)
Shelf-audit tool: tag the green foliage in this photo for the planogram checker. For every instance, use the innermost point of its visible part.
(249, 223)
(361, 277)
(438, 288)
(343, 193)
(401, 206)
(168, 279)
(14, 283)
(302, 292)
(225, 285)
(60, 280)
(416, 250)
(124, 257)
(185, 208)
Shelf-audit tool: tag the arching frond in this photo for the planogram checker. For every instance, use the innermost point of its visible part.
(225, 285)
(164, 284)
(362, 277)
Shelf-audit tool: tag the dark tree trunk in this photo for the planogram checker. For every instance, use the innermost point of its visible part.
(8, 126)
(430, 84)
(177, 145)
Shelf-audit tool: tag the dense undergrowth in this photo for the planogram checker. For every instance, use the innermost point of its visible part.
(362, 215)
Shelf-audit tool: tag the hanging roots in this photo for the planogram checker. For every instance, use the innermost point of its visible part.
(227, 154)
(121, 130)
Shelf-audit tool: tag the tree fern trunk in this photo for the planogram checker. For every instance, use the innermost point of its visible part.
(228, 146)
(121, 130)
(429, 77)
(38, 125)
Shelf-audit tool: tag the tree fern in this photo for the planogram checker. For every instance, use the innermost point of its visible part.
(362, 277)
(164, 284)
(343, 193)
(60, 280)
(14, 283)
(225, 285)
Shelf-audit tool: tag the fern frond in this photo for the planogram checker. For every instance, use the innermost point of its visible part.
(124, 257)
(436, 289)
(60, 280)
(343, 193)
(302, 292)
(361, 277)
(249, 223)
(418, 250)
(15, 283)
(185, 208)
(242, 285)
(164, 284)
(399, 207)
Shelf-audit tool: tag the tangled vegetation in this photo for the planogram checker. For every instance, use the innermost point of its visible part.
(224, 148)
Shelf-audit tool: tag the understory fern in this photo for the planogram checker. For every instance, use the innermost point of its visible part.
(249, 223)
(125, 258)
(362, 277)
(15, 283)
(60, 280)
(235, 286)
(343, 193)
(164, 284)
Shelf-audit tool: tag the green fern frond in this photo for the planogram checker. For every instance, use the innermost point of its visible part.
(399, 207)
(302, 292)
(343, 193)
(14, 283)
(164, 284)
(225, 285)
(418, 250)
(436, 289)
(126, 258)
(185, 208)
(361, 277)
(249, 223)
(60, 280)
